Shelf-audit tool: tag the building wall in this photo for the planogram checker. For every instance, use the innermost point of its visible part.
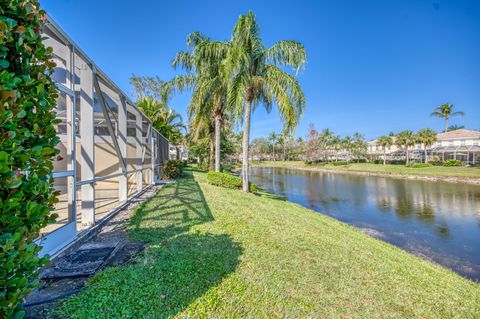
(100, 130)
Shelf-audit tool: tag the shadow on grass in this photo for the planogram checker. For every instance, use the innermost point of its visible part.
(177, 268)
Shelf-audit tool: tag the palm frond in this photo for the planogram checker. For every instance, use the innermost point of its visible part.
(288, 53)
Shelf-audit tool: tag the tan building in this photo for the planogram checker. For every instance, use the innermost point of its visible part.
(459, 144)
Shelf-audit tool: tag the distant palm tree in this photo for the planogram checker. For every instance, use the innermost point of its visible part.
(455, 127)
(446, 111)
(406, 139)
(347, 145)
(273, 140)
(427, 137)
(257, 78)
(385, 142)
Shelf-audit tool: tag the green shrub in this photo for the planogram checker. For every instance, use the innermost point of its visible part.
(27, 144)
(173, 169)
(452, 163)
(420, 165)
(377, 161)
(339, 163)
(436, 163)
(228, 181)
(203, 166)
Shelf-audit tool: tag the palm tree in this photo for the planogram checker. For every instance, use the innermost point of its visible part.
(347, 144)
(385, 142)
(164, 119)
(427, 137)
(446, 111)
(406, 139)
(257, 78)
(273, 140)
(334, 145)
(205, 77)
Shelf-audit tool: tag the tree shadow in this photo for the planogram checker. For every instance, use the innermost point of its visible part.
(177, 267)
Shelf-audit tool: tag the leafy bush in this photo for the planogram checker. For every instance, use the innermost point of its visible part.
(27, 146)
(173, 169)
(230, 167)
(203, 166)
(436, 163)
(397, 162)
(377, 161)
(339, 163)
(228, 181)
(452, 163)
(420, 165)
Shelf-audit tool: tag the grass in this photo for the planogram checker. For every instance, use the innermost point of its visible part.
(466, 172)
(220, 253)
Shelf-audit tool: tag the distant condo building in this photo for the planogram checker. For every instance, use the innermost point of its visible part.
(462, 144)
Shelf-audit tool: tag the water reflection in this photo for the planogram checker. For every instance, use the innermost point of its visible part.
(435, 220)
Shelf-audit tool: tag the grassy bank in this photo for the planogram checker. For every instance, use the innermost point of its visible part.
(220, 253)
(466, 172)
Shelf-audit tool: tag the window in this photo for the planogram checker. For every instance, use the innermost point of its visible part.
(462, 142)
(450, 143)
(476, 142)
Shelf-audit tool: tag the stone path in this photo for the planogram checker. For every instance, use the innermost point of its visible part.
(108, 245)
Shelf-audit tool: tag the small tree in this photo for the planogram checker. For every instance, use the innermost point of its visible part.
(406, 139)
(385, 142)
(27, 146)
(312, 145)
(360, 146)
(427, 137)
(273, 140)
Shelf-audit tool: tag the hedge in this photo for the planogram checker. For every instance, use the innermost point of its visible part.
(27, 146)
(228, 181)
(420, 165)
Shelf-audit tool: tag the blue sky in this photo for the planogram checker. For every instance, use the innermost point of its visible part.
(373, 66)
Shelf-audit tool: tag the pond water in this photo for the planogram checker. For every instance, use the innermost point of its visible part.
(437, 221)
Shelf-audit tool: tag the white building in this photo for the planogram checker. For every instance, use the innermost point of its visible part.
(459, 144)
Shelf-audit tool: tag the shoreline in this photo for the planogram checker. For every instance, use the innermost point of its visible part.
(449, 179)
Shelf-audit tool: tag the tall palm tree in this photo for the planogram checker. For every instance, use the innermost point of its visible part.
(273, 140)
(427, 137)
(446, 111)
(205, 77)
(334, 145)
(385, 142)
(257, 78)
(347, 145)
(204, 127)
(406, 139)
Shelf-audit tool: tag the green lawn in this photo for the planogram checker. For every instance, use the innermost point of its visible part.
(221, 253)
(469, 172)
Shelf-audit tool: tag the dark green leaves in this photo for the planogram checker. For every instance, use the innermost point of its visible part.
(27, 144)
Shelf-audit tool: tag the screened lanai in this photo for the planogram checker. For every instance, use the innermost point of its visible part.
(109, 151)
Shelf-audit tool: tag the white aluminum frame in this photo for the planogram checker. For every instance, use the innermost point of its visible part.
(90, 77)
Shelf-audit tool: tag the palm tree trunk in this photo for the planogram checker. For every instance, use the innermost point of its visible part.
(425, 152)
(446, 123)
(211, 164)
(406, 153)
(246, 140)
(217, 143)
(273, 148)
(384, 156)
